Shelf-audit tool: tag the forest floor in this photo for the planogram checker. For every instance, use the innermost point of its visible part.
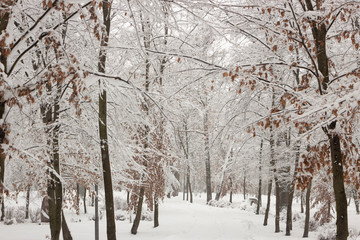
(179, 220)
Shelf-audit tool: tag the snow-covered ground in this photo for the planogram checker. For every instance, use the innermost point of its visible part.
(179, 220)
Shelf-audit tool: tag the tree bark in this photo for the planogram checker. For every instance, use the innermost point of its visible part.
(137, 219)
(268, 203)
(189, 186)
(339, 188)
(277, 205)
(84, 200)
(319, 32)
(156, 213)
(230, 200)
(77, 199)
(105, 159)
(207, 159)
(307, 214)
(27, 202)
(302, 202)
(291, 193)
(260, 180)
(65, 229)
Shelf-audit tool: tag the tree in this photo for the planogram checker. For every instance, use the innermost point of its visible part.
(104, 146)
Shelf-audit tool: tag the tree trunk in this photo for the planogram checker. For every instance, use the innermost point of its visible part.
(230, 200)
(84, 200)
(268, 203)
(77, 199)
(302, 202)
(50, 115)
(2, 159)
(137, 219)
(4, 20)
(189, 186)
(27, 202)
(128, 197)
(244, 185)
(156, 213)
(277, 205)
(104, 147)
(291, 193)
(260, 180)
(319, 32)
(307, 215)
(65, 229)
(207, 159)
(338, 185)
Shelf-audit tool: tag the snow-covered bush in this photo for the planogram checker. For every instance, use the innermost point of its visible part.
(120, 204)
(220, 203)
(35, 215)
(19, 214)
(9, 213)
(120, 217)
(146, 216)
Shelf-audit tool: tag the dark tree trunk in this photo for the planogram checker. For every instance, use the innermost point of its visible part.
(27, 202)
(268, 203)
(244, 185)
(104, 147)
(231, 193)
(137, 219)
(84, 200)
(277, 206)
(319, 32)
(289, 213)
(156, 213)
(128, 197)
(4, 20)
(77, 199)
(65, 229)
(2, 155)
(189, 186)
(207, 159)
(50, 115)
(307, 214)
(338, 184)
(260, 180)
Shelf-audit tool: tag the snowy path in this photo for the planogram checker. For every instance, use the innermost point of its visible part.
(179, 220)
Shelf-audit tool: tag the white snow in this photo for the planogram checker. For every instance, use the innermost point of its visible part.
(178, 220)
